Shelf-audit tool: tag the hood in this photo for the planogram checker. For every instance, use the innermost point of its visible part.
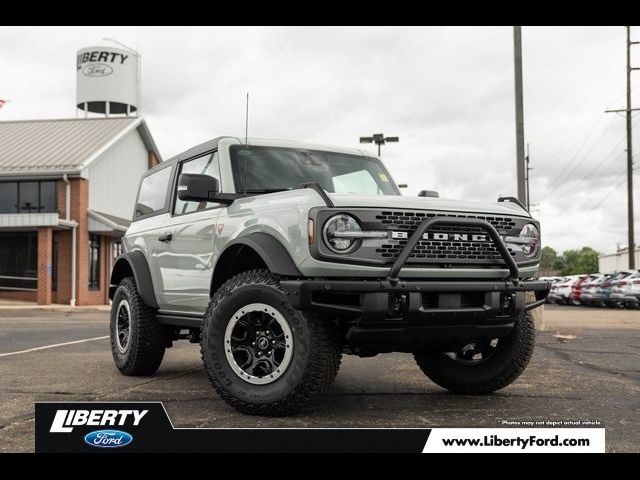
(426, 203)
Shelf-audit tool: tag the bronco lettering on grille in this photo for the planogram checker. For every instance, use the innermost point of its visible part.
(459, 237)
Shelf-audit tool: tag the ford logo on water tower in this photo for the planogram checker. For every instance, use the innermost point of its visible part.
(107, 79)
(97, 70)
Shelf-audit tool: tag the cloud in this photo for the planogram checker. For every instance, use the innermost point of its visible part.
(446, 91)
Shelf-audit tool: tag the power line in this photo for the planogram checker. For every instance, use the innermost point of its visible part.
(591, 172)
(616, 184)
(575, 156)
(554, 186)
(575, 140)
(580, 143)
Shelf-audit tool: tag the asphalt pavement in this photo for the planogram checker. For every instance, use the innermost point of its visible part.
(585, 367)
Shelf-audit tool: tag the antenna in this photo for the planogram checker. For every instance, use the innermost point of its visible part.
(246, 142)
(246, 122)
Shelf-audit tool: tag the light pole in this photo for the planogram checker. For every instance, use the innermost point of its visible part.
(379, 139)
(628, 113)
(520, 157)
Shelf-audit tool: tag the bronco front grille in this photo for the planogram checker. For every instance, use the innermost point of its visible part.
(410, 220)
(433, 250)
(462, 246)
(439, 251)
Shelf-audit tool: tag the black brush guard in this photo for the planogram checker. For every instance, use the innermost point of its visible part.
(395, 314)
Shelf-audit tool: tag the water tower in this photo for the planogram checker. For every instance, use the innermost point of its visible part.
(108, 79)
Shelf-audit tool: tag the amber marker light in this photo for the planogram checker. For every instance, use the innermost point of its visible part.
(312, 232)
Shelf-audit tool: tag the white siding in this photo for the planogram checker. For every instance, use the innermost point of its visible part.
(114, 177)
(14, 220)
(616, 261)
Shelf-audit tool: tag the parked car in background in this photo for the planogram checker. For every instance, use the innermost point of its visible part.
(625, 292)
(606, 288)
(553, 280)
(576, 288)
(591, 290)
(561, 291)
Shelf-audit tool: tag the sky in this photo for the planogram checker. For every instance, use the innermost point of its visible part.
(447, 92)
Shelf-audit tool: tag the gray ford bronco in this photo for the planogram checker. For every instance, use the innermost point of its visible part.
(279, 257)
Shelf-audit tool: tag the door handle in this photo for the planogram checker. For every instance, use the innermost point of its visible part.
(166, 237)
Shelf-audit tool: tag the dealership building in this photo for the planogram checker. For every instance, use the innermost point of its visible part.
(68, 186)
(67, 191)
(613, 262)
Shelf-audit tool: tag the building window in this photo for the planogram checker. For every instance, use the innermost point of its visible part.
(28, 197)
(19, 261)
(8, 197)
(48, 197)
(117, 249)
(94, 262)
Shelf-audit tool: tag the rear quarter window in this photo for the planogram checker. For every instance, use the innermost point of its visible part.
(152, 197)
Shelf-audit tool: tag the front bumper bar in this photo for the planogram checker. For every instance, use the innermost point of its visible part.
(414, 315)
(405, 315)
(308, 295)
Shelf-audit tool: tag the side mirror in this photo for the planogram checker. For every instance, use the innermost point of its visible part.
(197, 188)
(429, 193)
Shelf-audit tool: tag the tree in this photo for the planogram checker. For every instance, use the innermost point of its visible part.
(548, 260)
(587, 261)
(574, 262)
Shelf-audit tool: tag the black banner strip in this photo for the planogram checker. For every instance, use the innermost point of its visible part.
(104, 427)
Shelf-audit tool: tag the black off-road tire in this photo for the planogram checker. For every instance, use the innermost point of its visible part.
(315, 358)
(502, 368)
(148, 340)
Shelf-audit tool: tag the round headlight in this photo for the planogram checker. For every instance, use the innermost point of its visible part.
(531, 233)
(336, 233)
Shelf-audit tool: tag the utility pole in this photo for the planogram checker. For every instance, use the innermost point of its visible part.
(517, 62)
(628, 111)
(528, 169)
(379, 139)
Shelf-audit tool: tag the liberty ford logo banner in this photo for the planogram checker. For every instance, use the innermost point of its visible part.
(444, 236)
(65, 420)
(107, 427)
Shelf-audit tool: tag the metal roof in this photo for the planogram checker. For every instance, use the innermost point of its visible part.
(33, 147)
(112, 221)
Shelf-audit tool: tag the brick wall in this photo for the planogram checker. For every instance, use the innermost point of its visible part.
(63, 291)
(18, 296)
(45, 242)
(79, 213)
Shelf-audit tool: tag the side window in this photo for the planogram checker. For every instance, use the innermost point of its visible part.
(153, 192)
(205, 165)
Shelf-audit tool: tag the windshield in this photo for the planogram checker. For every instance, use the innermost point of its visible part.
(269, 169)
